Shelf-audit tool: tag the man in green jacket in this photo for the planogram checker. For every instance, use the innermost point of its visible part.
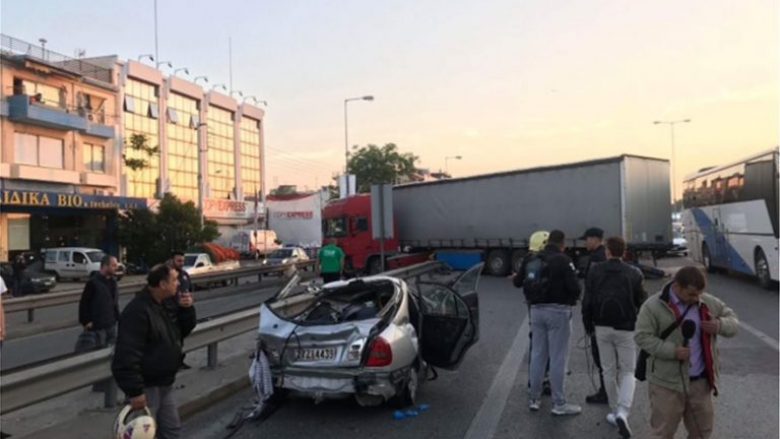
(331, 262)
(682, 374)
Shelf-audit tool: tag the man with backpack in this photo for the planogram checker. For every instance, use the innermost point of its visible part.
(536, 243)
(613, 295)
(552, 289)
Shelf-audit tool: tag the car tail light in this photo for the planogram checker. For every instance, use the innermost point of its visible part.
(381, 353)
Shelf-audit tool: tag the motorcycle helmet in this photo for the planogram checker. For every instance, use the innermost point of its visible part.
(538, 240)
(135, 424)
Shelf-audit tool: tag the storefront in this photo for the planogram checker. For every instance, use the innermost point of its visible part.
(33, 220)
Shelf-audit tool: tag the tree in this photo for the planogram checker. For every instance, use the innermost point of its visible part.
(139, 146)
(151, 237)
(374, 165)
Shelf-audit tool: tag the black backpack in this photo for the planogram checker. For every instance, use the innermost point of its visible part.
(536, 282)
(613, 303)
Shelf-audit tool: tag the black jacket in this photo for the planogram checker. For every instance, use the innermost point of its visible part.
(149, 345)
(633, 295)
(595, 257)
(564, 287)
(99, 302)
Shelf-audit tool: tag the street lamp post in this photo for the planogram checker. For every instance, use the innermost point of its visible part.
(446, 165)
(346, 131)
(201, 188)
(671, 124)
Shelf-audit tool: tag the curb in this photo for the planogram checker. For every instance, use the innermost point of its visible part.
(202, 402)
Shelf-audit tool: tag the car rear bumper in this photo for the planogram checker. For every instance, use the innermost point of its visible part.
(323, 383)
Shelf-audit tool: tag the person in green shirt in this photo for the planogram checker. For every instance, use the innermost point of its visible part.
(331, 262)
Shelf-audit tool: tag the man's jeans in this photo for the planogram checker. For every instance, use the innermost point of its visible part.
(163, 406)
(618, 357)
(551, 329)
(106, 337)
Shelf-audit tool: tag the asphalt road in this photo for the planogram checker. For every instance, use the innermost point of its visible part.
(487, 396)
(48, 344)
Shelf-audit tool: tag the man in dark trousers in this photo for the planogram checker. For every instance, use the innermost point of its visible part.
(99, 304)
(613, 295)
(551, 312)
(185, 286)
(593, 243)
(149, 347)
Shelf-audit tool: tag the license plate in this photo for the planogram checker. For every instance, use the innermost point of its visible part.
(316, 354)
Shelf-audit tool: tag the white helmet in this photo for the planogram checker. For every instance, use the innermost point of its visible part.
(135, 424)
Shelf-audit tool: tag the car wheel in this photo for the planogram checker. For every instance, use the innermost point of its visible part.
(498, 263)
(762, 271)
(707, 258)
(408, 395)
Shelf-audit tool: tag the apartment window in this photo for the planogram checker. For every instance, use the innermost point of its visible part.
(182, 147)
(49, 95)
(94, 158)
(42, 151)
(139, 97)
(250, 156)
(221, 153)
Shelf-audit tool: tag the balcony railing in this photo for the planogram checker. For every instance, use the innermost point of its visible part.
(27, 109)
(15, 46)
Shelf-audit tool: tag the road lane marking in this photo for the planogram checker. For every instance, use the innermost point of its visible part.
(761, 336)
(486, 421)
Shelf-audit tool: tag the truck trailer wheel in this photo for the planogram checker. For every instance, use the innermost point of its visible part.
(517, 260)
(498, 263)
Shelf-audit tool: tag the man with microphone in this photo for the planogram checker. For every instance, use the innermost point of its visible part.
(682, 369)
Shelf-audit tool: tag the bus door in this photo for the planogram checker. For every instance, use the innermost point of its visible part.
(720, 252)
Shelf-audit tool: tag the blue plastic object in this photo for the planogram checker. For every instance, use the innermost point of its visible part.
(424, 407)
(398, 415)
(411, 413)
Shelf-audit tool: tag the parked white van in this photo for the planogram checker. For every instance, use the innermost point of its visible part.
(74, 262)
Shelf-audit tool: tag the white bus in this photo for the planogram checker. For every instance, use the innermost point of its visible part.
(730, 216)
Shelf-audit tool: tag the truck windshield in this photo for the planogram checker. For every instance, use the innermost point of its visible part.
(95, 256)
(189, 261)
(335, 227)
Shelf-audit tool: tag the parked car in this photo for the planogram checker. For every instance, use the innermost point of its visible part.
(286, 255)
(198, 263)
(372, 338)
(75, 262)
(33, 282)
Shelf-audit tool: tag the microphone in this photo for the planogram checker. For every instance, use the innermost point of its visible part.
(688, 329)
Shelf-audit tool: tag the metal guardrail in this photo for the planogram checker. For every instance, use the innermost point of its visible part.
(31, 303)
(40, 383)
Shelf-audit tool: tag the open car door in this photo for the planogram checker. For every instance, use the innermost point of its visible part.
(450, 318)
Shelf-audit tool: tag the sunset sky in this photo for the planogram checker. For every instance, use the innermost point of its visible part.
(506, 84)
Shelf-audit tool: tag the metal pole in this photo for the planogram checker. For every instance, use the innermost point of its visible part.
(381, 228)
(109, 394)
(674, 167)
(156, 46)
(230, 66)
(211, 356)
(201, 189)
(346, 142)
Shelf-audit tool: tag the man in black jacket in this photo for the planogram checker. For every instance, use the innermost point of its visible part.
(149, 348)
(99, 304)
(613, 295)
(597, 253)
(551, 325)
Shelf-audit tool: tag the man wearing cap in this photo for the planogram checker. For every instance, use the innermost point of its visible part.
(593, 238)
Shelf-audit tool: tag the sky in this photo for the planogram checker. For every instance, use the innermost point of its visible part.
(505, 84)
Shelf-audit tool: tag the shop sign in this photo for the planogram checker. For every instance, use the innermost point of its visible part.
(72, 201)
(218, 208)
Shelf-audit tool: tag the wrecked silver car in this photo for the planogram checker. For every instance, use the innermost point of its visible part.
(373, 338)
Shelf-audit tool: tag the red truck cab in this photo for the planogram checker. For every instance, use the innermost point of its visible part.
(348, 221)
